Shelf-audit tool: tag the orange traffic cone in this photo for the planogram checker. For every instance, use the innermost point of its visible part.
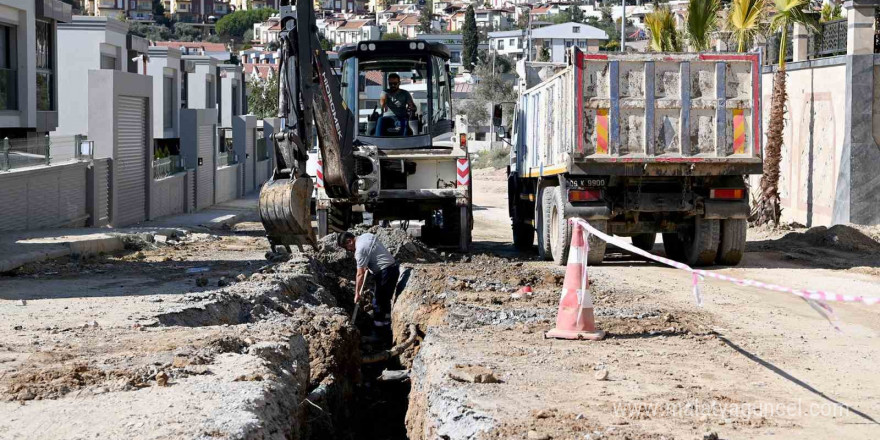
(575, 317)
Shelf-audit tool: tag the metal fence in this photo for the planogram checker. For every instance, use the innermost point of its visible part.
(42, 150)
(226, 158)
(830, 40)
(167, 166)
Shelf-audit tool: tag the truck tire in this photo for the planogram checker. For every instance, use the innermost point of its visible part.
(561, 234)
(701, 245)
(523, 236)
(673, 246)
(544, 223)
(464, 229)
(733, 242)
(644, 242)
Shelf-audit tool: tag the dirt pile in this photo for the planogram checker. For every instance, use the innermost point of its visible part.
(402, 246)
(842, 237)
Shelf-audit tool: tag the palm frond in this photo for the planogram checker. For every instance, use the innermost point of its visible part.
(702, 19)
(744, 21)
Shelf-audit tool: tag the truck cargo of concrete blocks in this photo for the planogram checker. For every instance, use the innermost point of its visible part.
(637, 145)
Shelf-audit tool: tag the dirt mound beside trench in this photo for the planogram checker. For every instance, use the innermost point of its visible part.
(842, 237)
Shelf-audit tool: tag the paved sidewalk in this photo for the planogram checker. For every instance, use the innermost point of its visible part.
(20, 248)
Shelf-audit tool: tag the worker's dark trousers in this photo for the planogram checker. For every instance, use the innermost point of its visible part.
(386, 282)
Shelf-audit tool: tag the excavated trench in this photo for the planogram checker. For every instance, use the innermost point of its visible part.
(308, 298)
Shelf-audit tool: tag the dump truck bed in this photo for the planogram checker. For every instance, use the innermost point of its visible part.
(641, 114)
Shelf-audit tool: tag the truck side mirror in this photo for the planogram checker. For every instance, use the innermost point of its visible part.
(497, 113)
(501, 131)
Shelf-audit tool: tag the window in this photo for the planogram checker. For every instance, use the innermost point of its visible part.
(108, 62)
(210, 93)
(8, 73)
(235, 100)
(44, 64)
(168, 102)
(455, 57)
(576, 29)
(500, 44)
(567, 44)
(512, 43)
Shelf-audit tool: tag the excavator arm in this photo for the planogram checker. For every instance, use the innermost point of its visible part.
(309, 101)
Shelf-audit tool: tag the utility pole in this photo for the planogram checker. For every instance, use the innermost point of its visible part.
(492, 103)
(622, 26)
(529, 11)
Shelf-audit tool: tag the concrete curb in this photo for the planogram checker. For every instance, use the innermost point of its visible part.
(225, 221)
(86, 248)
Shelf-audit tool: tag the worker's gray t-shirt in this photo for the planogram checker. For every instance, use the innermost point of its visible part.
(396, 103)
(377, 259)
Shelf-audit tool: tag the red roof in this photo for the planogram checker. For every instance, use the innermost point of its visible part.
(354, 24)
(262, 69)
(374, 78)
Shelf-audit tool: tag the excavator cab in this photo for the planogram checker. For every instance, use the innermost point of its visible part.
(397, 89)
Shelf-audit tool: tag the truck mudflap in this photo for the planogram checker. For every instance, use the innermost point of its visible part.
(721, 210)
(588, 212)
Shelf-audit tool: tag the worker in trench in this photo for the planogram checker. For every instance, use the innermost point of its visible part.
(370, 254)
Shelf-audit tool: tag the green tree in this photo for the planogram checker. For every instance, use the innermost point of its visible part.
(702, 19)
(470, 39)
(576, 14)
(831, 12)
(263, 96)
(744, 21)
(186, 32)
(159, 12)
(664, 36)
(233, 26)
(426, 15)
(522, 22)
(787, 13)
(491, 87)
(543, 55)
(152, 32)
(393, 36)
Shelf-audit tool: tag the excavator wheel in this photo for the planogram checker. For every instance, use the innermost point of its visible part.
(284, 211)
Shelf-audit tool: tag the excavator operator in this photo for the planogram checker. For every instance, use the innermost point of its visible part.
(398, 109)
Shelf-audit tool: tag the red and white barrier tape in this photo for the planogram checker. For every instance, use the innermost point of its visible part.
(816, 298)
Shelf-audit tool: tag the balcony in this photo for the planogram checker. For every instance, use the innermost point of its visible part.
(107, 4)
(145, 5)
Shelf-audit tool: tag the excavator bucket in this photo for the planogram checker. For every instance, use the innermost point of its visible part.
(284, 211)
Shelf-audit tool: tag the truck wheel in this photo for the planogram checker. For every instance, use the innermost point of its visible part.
(701, 245)
(644, 242)
(561, 234)
(544, 223)
(464, 229)
(523, 236)
(733, 241)
(673, 246)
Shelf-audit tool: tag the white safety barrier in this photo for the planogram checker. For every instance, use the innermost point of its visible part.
(815, 298)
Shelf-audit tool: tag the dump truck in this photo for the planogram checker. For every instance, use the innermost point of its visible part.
(637, 145)
(394, 159)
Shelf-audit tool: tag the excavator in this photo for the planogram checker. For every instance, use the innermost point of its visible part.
(379, 163)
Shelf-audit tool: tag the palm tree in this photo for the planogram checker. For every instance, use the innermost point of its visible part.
(744, 21)
(787, 13)
(702, 19)
(664, 36)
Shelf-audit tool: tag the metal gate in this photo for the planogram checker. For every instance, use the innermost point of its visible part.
(130, 163)
(250, 175)
(206, 169)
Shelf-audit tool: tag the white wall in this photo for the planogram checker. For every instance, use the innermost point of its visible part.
(169, 196)
(80, 46)
(813, 141)
(226, 184)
